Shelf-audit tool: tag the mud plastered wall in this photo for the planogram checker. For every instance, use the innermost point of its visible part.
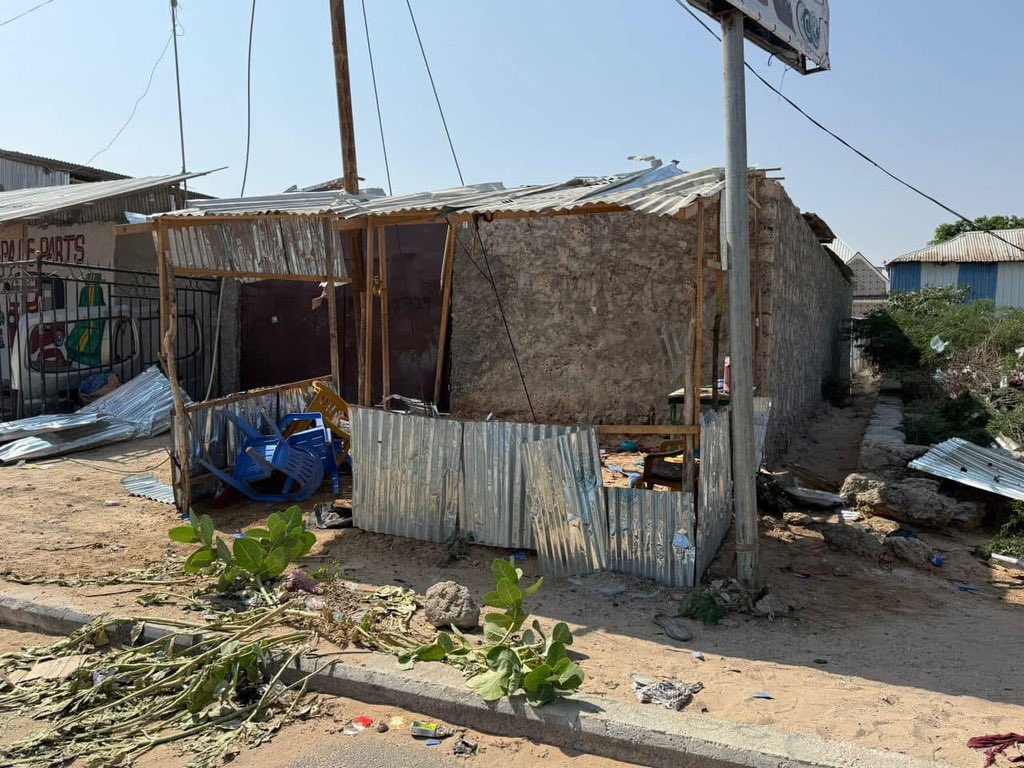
(807, 306)
(598, 306)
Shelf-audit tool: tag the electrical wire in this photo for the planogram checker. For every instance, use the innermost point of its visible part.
(177, 83)
(248, 100)
(25, 13)
(437, 98)
(138, 101)
(376, 97)
(845, 143)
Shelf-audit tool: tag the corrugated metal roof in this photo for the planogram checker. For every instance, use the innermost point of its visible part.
(972, 246)
(972, 465)
(84, 172)
(842, 249)
(32, 203)
(659, 192)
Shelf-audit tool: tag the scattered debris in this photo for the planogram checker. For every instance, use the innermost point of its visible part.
(51, 669)
(422, 730)
(995, 745)
(300, 581)
(382, 728)
(612, 590)
(765, 696)
(840, 570)
(966, 587)
(671, 694)
(464, 748)
(327, 515)
(148, 487)
(673, 627)
(698, 656)
(850, 515)
(937, 560)
(449, 604)
(629, 446)
(1011, 562)
(853, 538)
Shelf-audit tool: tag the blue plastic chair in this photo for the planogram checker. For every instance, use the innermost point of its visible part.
(315, 438)
(261, 456)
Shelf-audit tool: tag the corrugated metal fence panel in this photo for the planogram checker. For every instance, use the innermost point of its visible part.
(1010, 284)
(281, 246)
(15, 175)
(494, 508)
(406, 474)
(762, 415)
(980, 279)
(651, 535)
(216, 439)
(972, 465)
(939, 275)
(567, 503)
(905, 276)
(714, 510)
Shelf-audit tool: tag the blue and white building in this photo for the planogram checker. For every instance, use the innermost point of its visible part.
(990, 268)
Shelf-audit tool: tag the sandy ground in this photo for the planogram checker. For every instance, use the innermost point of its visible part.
(887, 657)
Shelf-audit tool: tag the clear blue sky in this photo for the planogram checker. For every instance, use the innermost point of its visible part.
(535, 91)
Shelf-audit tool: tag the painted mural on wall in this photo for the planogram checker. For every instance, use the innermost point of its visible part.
(85, 244)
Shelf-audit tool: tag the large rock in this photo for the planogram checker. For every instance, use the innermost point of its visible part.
(889, 455)
(910, 550)
(914, 500)
(773, 606)
(450, 604)
(853, 538)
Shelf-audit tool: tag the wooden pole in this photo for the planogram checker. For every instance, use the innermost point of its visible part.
(698, 349)
(350, 172)
(332, 309)
(716, 329)
(367, 399)
(447, 273)
(385, 326)
(169, 319)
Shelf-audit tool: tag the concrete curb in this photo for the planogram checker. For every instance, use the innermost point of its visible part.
(645, 735)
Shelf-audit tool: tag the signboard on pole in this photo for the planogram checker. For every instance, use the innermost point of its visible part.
(796, 31)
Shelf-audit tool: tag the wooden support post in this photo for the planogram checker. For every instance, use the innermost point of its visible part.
(698, 349)
(385, 327)
(716, 330)
(182, 456)
(367, 398)
(447, 274)
(332, 308)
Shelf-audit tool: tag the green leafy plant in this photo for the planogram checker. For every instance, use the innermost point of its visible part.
(258, 554)
(704, 607)
(512, 659)
(1010, 539)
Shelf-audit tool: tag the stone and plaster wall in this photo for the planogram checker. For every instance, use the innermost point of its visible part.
(600, 309)
(807, 308)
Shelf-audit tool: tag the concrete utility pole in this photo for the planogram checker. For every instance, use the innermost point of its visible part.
(346, 125)
(737, 240)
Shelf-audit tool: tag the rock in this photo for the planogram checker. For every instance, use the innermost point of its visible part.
(773, 606)
(840, 570)
(889, 455)
(910, 550)
(853, 538)
(914, 500)
(798, 518)
(448, 603)
(769, 523)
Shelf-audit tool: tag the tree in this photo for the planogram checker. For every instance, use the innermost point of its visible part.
(945, 232)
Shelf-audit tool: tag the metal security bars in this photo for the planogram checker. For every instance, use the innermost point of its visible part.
(62, 323)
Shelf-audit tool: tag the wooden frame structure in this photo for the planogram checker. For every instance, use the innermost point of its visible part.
(370, 275)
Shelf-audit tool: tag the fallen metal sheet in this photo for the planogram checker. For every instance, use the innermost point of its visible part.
(812, 498)
(41, 425)
(406, 474)
(972, 465)
(69, 441)
(148, 487)
(139, 408)
(714, 507)
(566, 503)
(651, 535)
(494, 508)
(762, 414)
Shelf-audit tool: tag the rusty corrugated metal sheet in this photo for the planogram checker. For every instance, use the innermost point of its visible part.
(651, 535)
(570, 523)
(19, 175)
(970, 464)
(972, 246)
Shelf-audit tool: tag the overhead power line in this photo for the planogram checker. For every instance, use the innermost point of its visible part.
(248, 99)
(815, 122)
(25, 13)
(437, 98)
(135, 107)
(376, 98)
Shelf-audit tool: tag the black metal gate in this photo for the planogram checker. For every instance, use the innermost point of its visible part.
(62, 324)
